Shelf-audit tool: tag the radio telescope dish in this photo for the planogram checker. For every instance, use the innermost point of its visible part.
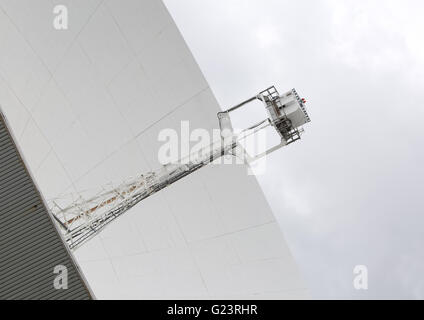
(86, 105)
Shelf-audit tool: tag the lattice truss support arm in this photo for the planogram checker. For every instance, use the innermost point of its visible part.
(81, 217)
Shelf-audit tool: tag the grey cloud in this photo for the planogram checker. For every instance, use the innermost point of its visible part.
(351, 192)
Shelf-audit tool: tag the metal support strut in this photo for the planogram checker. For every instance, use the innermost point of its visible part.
(83, 218)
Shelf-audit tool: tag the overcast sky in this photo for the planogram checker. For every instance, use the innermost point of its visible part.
(351, 192)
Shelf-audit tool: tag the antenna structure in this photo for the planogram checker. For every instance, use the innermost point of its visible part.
(83, 218)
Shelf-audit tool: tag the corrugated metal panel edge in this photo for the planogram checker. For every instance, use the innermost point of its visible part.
(65, 248)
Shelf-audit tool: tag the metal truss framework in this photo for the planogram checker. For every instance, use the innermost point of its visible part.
(83, 218)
